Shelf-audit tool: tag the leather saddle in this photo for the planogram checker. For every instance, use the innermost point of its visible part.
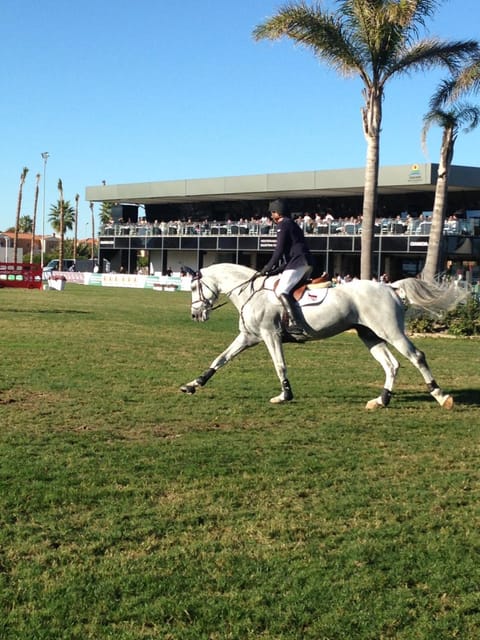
(322, 282)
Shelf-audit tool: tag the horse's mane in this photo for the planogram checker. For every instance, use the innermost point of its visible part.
(228, 268)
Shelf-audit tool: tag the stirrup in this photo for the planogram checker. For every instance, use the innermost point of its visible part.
(295, 329)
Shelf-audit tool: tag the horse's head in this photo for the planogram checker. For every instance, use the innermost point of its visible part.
(204, 296)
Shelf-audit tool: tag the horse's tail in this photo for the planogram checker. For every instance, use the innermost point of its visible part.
(435, 297)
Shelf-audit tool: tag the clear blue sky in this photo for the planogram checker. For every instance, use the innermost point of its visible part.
(156, 90)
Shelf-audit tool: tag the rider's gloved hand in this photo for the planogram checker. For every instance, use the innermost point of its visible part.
(264, 272)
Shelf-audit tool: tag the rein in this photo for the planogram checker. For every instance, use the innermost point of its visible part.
(219, 306)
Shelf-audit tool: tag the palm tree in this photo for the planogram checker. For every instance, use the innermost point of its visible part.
(23, 177)
(62, 217)
(25, 224)
(446, 111)
(451, 121)
(375, 40)
(34, 221)
(68, 216)
(105, 212)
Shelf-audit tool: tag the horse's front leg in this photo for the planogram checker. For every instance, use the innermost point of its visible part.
(273, 342)
(242, 341)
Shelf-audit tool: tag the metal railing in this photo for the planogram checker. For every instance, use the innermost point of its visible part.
(347, 227)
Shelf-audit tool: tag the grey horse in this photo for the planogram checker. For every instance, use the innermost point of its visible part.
(375, 310)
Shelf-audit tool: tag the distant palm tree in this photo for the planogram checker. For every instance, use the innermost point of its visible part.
(25, 224)
(68, 216)
(105, 212)
(446, 99)
(23, 177)
(451, 121)
(34, 221)
(375, 40)
(62, 217)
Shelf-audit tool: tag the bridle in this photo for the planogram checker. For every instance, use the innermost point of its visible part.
(205, 304)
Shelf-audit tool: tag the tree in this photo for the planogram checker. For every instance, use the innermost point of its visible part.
(34, 221)
(375, 40)
(62, 217)
(105, 212)
(451, 121)
(25, 224)
(23, 177)
(84, 249)
(68, 216)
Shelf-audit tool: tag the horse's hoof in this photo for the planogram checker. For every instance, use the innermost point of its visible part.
(278, 399)
(373, 404)
(188, 388)
(448, 403)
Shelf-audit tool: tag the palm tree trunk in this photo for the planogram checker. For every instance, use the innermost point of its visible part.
(23, 176)
(34, 223)
(92, 253)
(75, 234)
(61, 227)
(372, 117)
(439, 207)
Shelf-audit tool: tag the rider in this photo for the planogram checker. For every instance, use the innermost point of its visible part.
(292, 258)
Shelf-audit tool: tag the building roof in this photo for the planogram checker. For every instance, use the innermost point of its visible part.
(306, 184)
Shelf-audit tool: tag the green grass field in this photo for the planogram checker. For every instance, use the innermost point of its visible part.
(131, 511)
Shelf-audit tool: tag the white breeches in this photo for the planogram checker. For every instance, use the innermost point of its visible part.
(291, 277)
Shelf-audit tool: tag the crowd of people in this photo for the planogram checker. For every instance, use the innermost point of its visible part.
(324, 222)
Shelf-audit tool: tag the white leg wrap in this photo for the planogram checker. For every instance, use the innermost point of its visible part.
(376, 403)
(443, 399)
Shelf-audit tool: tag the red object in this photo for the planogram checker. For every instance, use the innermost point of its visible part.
(20, 274)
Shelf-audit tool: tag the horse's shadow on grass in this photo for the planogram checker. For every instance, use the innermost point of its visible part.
(468, 397)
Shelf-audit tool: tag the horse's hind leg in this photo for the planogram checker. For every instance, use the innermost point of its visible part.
(388, 362)
(417, 358)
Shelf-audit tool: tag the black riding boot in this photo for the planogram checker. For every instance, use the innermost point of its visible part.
(296, 324)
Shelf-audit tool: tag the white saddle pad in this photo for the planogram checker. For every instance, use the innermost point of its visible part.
(313, 295)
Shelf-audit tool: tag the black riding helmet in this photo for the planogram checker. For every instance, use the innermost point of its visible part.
(280, 206)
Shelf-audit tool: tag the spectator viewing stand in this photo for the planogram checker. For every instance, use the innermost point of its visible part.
(198, 222)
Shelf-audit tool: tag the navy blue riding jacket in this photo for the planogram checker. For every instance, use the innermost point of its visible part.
(291, 250)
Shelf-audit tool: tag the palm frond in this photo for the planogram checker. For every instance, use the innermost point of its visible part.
(416, 13)
(467, 80)
(468, 116)
(442, 94)
(321, 31)
(432, 52)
